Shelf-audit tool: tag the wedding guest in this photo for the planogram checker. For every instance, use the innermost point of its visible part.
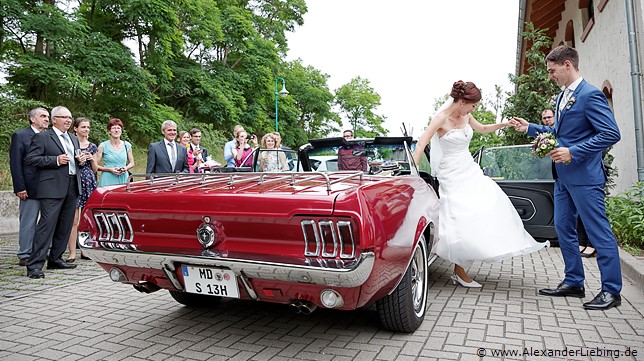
(477, 219)
(25, 183)
(166, 156)
(116, 154)
(200, 153)
(53, 154)
(229, 158)
(548, 117)
(347, 160)
(271, 159)
(229, 146)
(87, 167)
(584, 127)
(242, 151)
(184, 141)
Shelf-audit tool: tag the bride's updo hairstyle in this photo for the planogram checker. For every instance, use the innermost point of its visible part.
(466, 91)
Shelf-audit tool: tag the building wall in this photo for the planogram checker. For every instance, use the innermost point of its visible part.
(604, 56)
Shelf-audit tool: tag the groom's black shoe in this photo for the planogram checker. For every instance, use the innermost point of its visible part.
(603, 301)
(564, 290)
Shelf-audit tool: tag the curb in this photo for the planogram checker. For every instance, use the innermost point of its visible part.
(632, 268)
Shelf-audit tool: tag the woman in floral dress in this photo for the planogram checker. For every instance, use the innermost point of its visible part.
(87, 168)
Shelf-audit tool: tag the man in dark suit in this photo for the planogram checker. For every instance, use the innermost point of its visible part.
(52, 153)
(25, 184)
(200, 153)
(166, 156)
(584, 127)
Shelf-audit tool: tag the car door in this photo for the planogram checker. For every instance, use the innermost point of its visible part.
(527, 181)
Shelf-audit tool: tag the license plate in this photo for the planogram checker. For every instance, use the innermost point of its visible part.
(210, 281)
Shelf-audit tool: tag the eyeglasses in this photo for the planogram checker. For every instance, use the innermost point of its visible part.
(63, 116)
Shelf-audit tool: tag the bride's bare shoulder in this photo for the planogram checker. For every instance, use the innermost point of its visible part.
(440, 117)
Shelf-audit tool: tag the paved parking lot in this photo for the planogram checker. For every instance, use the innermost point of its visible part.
(81, 314)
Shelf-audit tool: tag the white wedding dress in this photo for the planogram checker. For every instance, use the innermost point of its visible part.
(477, 221)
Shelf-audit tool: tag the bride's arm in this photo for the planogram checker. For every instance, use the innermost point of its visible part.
(487, 128)
(434, 125)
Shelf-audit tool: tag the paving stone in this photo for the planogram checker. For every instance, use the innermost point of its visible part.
(85, 316)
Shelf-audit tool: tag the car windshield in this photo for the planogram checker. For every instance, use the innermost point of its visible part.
(371, 158)
(515, 163)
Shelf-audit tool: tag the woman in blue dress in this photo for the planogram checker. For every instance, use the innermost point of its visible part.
(87, 168)
(116, 154)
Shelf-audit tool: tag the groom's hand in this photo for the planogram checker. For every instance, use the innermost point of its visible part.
(520, 124)
(561, 155)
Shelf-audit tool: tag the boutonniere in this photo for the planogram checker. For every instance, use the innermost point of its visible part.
(571, 101)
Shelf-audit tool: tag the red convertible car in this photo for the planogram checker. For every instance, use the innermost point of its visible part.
(340, 240)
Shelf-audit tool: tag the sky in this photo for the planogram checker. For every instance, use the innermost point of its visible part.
(411, 51)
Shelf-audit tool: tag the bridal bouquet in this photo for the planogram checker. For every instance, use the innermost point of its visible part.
(543, 144)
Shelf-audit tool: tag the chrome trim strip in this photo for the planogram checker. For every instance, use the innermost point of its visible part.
(307, 242)
(352, 274)
(103, 227)
(346, 224)
(113, 220)
(126, 220)
(323, 240)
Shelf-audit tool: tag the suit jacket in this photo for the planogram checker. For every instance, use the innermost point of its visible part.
(586, 126)
(159, 161)
(204, 152)
(53, 180)
(23, 174)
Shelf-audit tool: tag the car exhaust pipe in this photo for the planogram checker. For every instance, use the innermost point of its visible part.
(307, 308)
(296, 306)
(303, 307)
(146, 287)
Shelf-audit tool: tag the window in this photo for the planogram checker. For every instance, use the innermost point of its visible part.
(587, 17)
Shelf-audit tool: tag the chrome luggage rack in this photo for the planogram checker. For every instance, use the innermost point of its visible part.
(229, 179)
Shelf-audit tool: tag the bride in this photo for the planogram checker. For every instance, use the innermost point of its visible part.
(477, 221)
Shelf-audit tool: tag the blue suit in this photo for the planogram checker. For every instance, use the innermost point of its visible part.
(586, 126)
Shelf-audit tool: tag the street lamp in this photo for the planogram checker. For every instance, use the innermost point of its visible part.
(283, 93)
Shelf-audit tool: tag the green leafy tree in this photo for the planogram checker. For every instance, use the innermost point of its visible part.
(357, 101)
(313, 100)
(535, 91)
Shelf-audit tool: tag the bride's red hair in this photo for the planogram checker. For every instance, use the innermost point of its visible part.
(466, 91)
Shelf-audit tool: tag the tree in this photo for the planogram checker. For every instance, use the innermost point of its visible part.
(357, 101)
(312, 99)
(535, 91)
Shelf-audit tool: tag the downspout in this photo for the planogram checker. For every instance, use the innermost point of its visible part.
(636, 84)
(522, 13)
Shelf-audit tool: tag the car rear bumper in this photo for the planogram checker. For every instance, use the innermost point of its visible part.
(345, 273)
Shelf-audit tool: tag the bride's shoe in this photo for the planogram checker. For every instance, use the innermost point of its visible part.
(472, 284)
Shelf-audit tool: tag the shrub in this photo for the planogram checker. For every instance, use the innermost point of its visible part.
(626, 214)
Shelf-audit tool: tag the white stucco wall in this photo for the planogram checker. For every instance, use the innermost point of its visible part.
(604, 56)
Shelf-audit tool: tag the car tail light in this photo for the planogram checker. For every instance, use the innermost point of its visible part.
(329, 239)
(113, 226)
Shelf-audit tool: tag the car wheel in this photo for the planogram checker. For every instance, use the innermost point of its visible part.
(404, 309)
(194, 300)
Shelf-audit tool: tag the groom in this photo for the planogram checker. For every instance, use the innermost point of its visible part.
(584, 126)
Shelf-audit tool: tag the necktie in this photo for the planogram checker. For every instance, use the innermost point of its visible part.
(564, 99)
(69, 149)
(173, 155)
